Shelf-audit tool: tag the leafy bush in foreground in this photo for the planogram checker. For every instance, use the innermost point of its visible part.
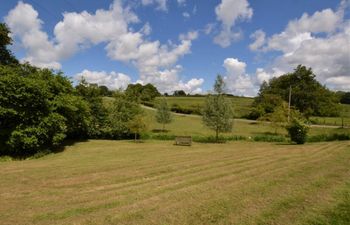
(297, 131)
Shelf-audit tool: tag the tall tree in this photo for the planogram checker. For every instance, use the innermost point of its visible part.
(137, 125)
(6, 56)
(217, 111)
(122, 111)
(308, 95)
(163, 114)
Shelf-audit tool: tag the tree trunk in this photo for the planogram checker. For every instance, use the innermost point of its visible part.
(135, 136)
(217, 135)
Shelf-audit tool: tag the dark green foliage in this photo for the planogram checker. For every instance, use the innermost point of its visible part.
(6, 57)
(121, 113)
(345, 98)
(186, 110)
(308, 95)
(297, 131)
(33, 109)
(91, 94)
(138, 92)
(179, 93)
(104, 91)
(329, 137)
(219, 85)
(269, 138)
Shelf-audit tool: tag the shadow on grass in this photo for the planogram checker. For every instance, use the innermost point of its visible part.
(67, 143)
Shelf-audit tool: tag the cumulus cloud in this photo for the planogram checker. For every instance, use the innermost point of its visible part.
(228, 12)
(24, 22)
(161, 4)
(259, 37)
(238, 82)
(112, 80)
(74, 32)
(181, 2)
(186, 15)
(320, 41)
(77, 31)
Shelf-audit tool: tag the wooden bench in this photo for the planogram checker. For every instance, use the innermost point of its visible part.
(183, 140)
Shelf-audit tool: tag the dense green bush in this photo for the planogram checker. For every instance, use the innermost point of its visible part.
(297, 131)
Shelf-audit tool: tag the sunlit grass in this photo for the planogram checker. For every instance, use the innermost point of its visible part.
(155, 182)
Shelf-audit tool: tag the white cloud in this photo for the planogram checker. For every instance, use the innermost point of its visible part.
(259, 37)
(181, 2)
(112, 80)
(228, 12)
(320, 41)
(74, 32)
(161, 4)
(24, 23)
(236, 79)
(186, 15)
(209, 28)
(263, 75)
(77, 31)
(339, 83)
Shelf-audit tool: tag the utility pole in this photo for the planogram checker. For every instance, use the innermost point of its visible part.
(290, 98)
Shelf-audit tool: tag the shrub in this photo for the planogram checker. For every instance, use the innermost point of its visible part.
(297, 131)
(269, 138)
(329, 137)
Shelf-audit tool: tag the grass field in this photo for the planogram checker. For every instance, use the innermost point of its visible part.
(241, 105)
(192, 125)
(120, 182)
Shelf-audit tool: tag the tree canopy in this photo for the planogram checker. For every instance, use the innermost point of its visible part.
(308, 95)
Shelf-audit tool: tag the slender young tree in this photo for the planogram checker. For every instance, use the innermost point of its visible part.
(217, 111)
(137, 125)
(163, 114)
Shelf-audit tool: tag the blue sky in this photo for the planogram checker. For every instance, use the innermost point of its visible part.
(183, 44)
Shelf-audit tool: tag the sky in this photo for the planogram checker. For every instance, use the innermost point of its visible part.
(183, 44)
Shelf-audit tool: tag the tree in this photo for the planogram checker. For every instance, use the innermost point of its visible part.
(217, 111)
(91, 94)
(138, 92)
(179, 93)
(163, 114)
(6, 56)
(122, 111)
(345, 98)
(297, 131)
(38, 109)
(308, 95)
(137, 125)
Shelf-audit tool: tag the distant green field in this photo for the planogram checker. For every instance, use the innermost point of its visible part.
(337, 121)
(155, 182)
(192, 125)
(241, 105)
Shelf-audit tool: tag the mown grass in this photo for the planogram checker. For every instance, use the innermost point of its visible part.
(120, 182)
